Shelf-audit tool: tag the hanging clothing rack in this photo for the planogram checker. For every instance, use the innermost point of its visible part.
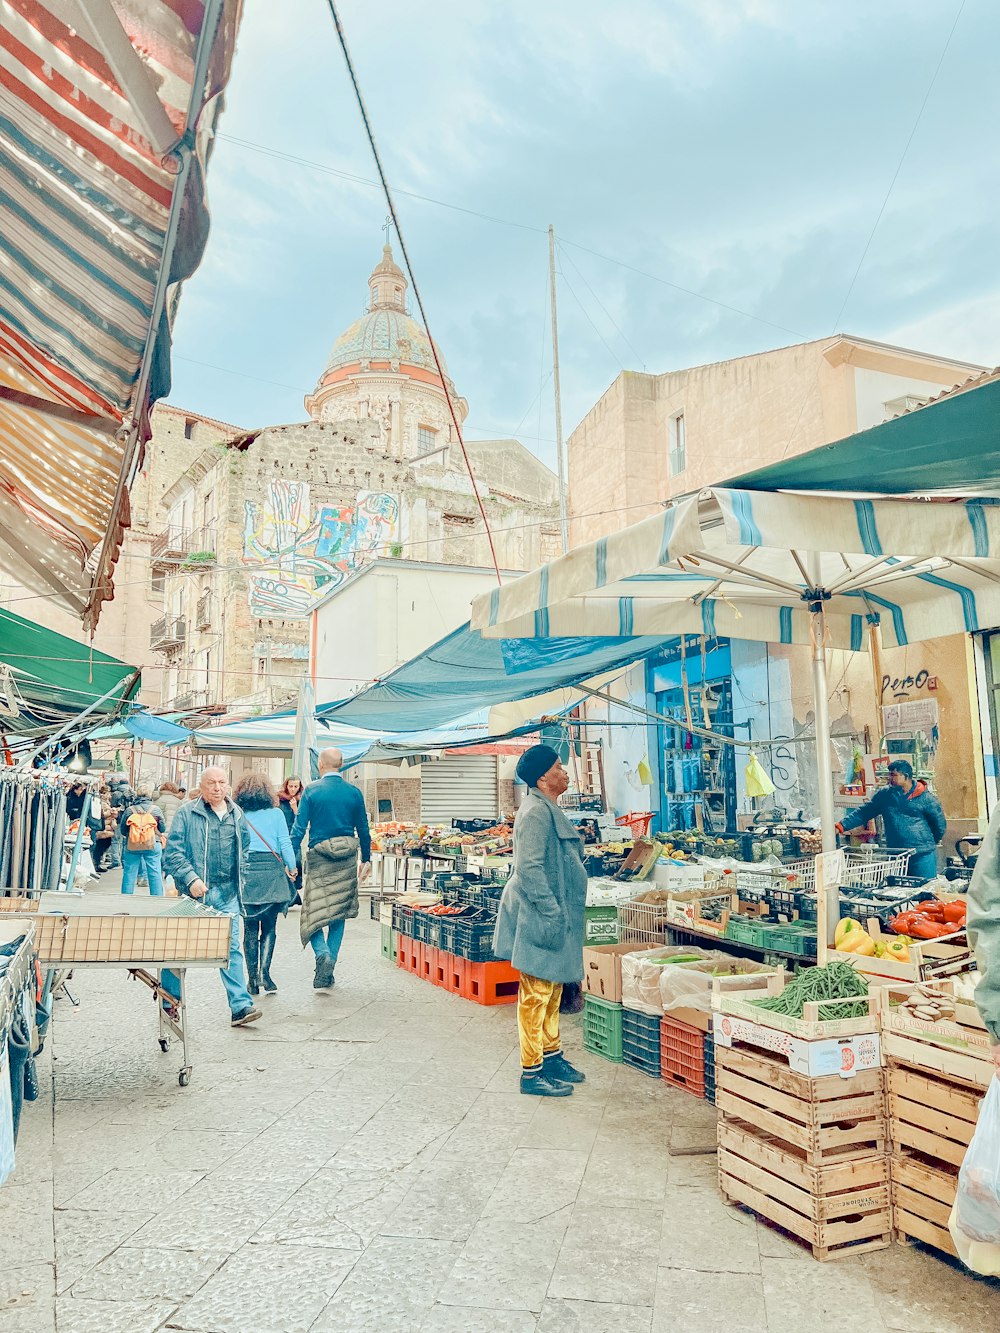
(32, 830)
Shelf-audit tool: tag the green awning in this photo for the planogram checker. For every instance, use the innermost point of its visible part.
(52, 678)
(949, 445)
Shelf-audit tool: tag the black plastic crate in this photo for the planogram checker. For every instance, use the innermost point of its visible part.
(402, 919)
(474, 939)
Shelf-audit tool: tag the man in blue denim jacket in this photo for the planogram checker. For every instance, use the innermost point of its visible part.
(206, 854)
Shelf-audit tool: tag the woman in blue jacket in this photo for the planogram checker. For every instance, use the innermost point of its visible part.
(540, 924)
(267, 886)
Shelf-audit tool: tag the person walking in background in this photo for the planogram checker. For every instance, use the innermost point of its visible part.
(106, 835)
(540, 924)
(334, 813)
(290, 794)
(121, 796)
(911, 815)
(169, 799)
(207, 856)
(267, 886)
(144, 831)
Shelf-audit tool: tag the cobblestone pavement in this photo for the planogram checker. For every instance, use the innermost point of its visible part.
(361, 1160)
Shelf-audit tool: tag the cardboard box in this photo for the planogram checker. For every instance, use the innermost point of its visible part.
(695, 1018)
(602, 970)
(600, 924)
(845, 1056)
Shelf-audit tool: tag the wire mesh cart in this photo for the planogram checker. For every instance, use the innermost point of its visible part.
(146, 936)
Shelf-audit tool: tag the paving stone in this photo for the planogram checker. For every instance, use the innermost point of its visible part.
(74, 1315)
(392, 1287)
(220, 1212)
(83, 1239)
(707, 1236)
(446, 1200)
(461, 1319)
(910, 1300)
(536, 1183)
(266, 1289)
(507, 1265)
(559, 1316)
(150, 1274)
(609, 1255)
(720, 1302)
(815, 1296)
(27, 1298)
(154, 1190)
(339, 1209)
(26, 1221)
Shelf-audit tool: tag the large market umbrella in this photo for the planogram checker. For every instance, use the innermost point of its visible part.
(774, 567)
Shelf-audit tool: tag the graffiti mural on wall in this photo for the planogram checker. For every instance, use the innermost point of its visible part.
(296, 554)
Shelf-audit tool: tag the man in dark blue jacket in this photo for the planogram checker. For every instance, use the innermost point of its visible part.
(912, 817)
(334, 813)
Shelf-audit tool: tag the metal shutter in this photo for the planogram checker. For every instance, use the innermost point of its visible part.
(457, 787)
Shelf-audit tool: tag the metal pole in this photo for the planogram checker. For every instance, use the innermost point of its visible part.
(123, 687)
(561, 468)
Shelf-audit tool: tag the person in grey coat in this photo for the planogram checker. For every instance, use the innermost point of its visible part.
(540, 924)
(984, 932)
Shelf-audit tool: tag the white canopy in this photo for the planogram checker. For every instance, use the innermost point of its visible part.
(751, 565)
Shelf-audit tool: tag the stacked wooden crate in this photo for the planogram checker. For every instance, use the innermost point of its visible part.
(936, 1075)
(803, 1133)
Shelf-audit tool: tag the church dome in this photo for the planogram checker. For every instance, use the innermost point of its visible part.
(386, 334)
(383, 335)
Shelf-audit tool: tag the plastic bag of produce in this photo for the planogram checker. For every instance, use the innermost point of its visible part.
(975, 1219)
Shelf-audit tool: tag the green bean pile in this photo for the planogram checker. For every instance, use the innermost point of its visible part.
(836, 981)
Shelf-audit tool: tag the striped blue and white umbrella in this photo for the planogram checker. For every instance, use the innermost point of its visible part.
(773, 567)
(752, 565)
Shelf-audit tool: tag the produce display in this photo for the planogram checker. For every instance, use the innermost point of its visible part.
(928, 1004)
(932, 920)
(851, 937)
(836, 981)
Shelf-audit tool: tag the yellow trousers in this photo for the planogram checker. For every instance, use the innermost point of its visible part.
(538, 1019)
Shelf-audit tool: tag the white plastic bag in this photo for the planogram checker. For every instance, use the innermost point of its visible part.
(975, 1219)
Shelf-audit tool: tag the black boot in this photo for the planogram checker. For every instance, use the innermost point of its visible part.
(266, 954)
(251, 948)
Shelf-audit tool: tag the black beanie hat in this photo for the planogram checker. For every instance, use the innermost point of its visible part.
(535, 763)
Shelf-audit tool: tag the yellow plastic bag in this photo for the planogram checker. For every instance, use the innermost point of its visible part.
(645, 773)
(758, 783)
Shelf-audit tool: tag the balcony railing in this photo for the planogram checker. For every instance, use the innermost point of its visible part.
(189, 699)
(177, 545)
(167, 633)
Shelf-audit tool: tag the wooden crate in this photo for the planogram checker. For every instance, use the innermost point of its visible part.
(829, 1119)
(838, 1210)
(928, 959)
(923, 1193)
(930, 1114)
(810, 1027)
(972, 1070)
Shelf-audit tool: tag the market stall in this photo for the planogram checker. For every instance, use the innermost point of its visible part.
(18, 990)
(788, 569)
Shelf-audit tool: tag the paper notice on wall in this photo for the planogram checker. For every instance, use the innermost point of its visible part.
(910, 715)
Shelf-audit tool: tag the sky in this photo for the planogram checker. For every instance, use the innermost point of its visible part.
(724, 177)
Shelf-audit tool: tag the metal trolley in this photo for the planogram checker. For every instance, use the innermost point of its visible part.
(146, 936)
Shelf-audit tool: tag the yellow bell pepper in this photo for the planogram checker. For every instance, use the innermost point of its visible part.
(898, 951)
(844, 928)
(859, 942)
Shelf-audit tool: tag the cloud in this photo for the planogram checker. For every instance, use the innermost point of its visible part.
(738, 148)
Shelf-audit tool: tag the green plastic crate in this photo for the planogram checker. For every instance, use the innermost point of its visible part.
(602, 1028)
(390, 944)
(600, 925)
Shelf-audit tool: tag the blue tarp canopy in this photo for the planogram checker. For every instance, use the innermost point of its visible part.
(465, 673)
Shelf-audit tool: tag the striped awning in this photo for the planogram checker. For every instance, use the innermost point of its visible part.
(106, 115)
(753, 565)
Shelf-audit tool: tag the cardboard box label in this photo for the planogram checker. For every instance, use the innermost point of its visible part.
(834, 1055)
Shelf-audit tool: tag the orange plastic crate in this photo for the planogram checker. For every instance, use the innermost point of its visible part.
(491, 983)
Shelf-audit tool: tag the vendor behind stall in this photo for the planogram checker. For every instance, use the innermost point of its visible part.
(911, 815)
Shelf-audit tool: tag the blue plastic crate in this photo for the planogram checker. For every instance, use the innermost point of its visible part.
(641, 1041)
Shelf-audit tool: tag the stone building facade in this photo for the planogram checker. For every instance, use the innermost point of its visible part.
(259, 526)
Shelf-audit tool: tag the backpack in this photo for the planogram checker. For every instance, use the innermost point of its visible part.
(141, 825)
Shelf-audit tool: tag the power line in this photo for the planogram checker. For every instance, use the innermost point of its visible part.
(899, 165)
(507, 222)
(586, 314)
(590, 289)
(341, 37)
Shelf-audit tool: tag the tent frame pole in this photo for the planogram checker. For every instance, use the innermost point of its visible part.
(817, 598)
